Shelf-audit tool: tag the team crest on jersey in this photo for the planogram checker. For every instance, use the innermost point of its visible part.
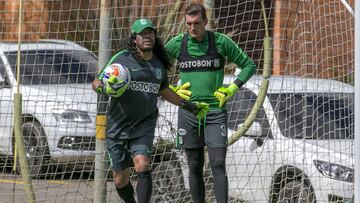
(158, 73)
(182, 131)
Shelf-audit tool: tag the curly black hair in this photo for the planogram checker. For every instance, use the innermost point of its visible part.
(158, 50)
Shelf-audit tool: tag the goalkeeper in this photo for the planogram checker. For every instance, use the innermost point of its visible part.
(201, 57)
(133, 111)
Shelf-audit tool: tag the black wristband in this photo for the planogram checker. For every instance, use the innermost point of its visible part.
(189, 106)
(238, 83)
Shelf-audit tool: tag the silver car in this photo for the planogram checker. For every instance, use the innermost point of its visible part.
(58, 105)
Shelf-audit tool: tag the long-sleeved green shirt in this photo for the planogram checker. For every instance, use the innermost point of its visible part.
(204, 82)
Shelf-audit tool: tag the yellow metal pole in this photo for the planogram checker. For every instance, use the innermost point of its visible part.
(100, 182)
(19, 142)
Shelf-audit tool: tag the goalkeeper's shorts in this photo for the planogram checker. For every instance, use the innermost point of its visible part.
(210, 131)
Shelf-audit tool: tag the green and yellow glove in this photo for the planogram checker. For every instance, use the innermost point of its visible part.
(114, 87)
(199, 109)
(203, 109)
(224, 93)
(100, 89)
(182, 90)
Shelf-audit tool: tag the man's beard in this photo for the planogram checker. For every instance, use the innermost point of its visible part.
(146, 49)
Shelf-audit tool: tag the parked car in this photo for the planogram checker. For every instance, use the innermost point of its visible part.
(58, 105)
(299, 149)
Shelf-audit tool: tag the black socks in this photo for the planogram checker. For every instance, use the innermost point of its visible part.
(217, 162)
(144, 186)
(196, 181)
(127, 193)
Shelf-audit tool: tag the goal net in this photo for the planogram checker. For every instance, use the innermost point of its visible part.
(298, 148)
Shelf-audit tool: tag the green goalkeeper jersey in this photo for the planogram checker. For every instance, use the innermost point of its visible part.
(202, 63)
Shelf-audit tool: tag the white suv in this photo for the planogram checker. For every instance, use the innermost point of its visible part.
(300, 147)
(58, 105)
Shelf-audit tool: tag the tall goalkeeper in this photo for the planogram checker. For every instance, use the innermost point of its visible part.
(201, 57)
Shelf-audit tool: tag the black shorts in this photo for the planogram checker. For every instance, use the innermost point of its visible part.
(121, 151)
(210, 131)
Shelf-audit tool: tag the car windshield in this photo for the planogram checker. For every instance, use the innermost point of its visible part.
(54, 67)
(315, 115)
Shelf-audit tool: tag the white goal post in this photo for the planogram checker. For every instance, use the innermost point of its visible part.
(357, 101)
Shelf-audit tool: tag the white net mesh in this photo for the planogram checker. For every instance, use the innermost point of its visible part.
(299, 148)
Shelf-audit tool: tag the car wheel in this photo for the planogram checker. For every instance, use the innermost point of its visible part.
(296, 191)
(36, 148)
(168, 183)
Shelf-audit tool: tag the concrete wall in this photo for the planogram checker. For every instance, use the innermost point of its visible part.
(34, 20)
(317, 39)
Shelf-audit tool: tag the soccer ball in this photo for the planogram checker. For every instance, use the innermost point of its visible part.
(118, 70)
(116, 78)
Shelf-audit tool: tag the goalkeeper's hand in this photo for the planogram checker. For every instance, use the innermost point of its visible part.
(182, 90)
(114, 87)
(199, 109)
(98, 86)
(224, 93)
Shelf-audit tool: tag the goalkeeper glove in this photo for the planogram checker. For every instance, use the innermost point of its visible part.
(182, 90)
(224, 93)
(199, 109)
(114, 87)
(100, 89)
